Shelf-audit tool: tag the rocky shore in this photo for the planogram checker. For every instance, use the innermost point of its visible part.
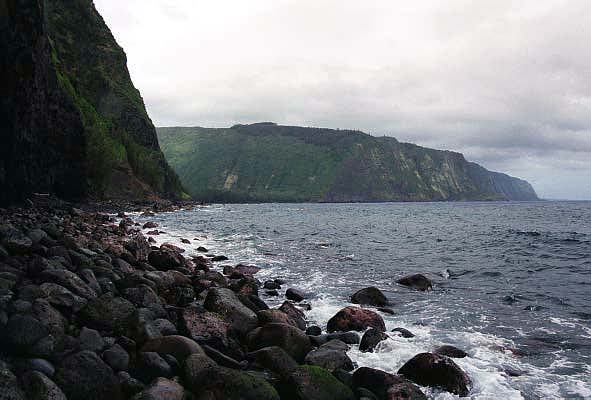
(91, 309)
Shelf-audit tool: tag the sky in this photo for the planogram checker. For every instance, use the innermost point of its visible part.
(507, 83)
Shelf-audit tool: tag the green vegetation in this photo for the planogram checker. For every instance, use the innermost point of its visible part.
(267, 162)
(92, 69)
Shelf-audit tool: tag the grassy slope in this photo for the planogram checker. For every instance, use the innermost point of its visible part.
(266, 162)
(123, 156)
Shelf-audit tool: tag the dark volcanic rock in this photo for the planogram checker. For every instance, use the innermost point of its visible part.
(70, 281)
(40, 387)
(405, 391)
(84, 376)
(278, 316)
(314, 331)
(225, 303)
(274, 358)
(314, 383)
(9, 387)
(386, 386)
(450, 351)
(295, 295)
(370, 339)
(107, 313)
(371, 296)
(331, 357)
(161, 389)
(166, 259)
(405, 333)
(428, 369)
(21, 334)
(149, 365)
(178, 346)
(416, 281)
(205, 327)
(355, 319)
(291, 339)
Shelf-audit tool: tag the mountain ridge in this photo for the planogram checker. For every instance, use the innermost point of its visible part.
(270, 162)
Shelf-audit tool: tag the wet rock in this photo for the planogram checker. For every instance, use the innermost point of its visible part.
(295, 313)
(405, 391)
(371, 338)
(278, 316)
(202, 249)
(314, 331)
(245, 286)
(271, 285)
(138, 246)
(70, 281)
(331, 356)
(405, 333)
(161, 389)
(450, 351)
(428, 369)
(218, 258)
(145, 296)
(166, 259)
(91, 340)
(386, 310)
(179, 346)
(129, 385)
(21, 366)
(272, 293)
(370, 296)
(84, 376)
(107, 313)
(9, 387)
(355, 319)
(416, 281)
(295, 295)
(377, 380)
(345, 337)
(40, 387)
(314, 383)
(274, 358)
(150, 365)
(227, 304)
(150, 225)
(117, 358)
(291, 339)
(205, 327)
(365, 394)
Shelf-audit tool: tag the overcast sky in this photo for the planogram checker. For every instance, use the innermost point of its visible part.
(507, 83)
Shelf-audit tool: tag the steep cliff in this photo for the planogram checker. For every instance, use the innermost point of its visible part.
(268, 162)
(72, 123)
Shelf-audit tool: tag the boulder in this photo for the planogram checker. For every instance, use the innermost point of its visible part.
(196, 369)
(278, 316)
(428, 369)
(179, 346)
(116, 357)
(161, 389)
(149, 365)
(346, 337)
(376, 380)
(225, 303)
(107, 313)
(138, 246)
(166, 259)
(129, 385)
(84, 376)
(370, 296)
(70, 281)
(291, 339)
(405, 333)
(405, 391)
(295, 295)
(331, 356)
(9, 388)
(450, 351)
(295, 313)
(40, 387)
(310, 382)
(91, 340)
(275, 359)
(370, 339)
(21, 333)
(355, 319)
(314, 331)
(416, 281)
(204, 327)
(20, 366)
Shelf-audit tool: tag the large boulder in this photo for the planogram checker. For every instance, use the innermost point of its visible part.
(226, 303)
(196, 370)
(107, 313)
(150, 365)
(331, 356)
(205, 327)
(370, 296)
(178, 346)
(416, 281)
(450, 351)
(40, 387)
(9, 388)
(84, 376)
(166, 259)
(385, 385)
(428, 369)
(355, 319)
(278, 316)
(405, 391)
(310, 382)
(295, 295)
(138, 246)
(371, 338)
(295, 313)
(21, 333)
(161, 389)
(70, 281)
(274, 358)
(294, 341)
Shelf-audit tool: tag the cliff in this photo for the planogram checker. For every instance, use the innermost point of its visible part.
(268, 162)
(71, 121)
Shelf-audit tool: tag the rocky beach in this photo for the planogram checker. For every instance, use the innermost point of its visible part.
(91, 309)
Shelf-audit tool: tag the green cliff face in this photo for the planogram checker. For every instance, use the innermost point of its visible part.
(268, 162)
(72, 121)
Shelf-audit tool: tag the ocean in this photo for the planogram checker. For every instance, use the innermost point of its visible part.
(512, 280)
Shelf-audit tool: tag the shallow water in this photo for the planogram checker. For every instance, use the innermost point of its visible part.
(513, 280)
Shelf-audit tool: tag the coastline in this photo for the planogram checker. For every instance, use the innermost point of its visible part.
(87, 268)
